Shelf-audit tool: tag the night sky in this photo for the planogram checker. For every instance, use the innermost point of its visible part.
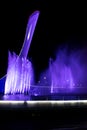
(59, 24)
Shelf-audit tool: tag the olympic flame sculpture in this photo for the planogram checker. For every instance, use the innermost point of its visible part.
(20, 72)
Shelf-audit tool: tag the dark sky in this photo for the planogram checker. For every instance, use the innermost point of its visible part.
(59, 23)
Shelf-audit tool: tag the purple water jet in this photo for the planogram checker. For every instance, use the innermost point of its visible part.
(20, 71)
(61, 76)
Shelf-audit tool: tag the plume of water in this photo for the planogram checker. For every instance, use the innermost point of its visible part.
(61, 73)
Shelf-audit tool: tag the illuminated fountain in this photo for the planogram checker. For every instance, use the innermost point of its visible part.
(61, 74)
(64, 75)
(20, 71)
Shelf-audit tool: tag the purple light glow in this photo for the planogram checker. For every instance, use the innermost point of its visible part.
(20, 70)
(61, 73)
(65, 74)
(19, 75)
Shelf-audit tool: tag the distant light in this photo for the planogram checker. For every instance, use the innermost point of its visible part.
(38, 81)
(35, 94)
(44, 77)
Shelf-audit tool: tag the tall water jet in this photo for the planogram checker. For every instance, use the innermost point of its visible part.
(20, 71)
(61, 74)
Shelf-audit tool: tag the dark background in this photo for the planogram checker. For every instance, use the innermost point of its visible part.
(60, 23)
